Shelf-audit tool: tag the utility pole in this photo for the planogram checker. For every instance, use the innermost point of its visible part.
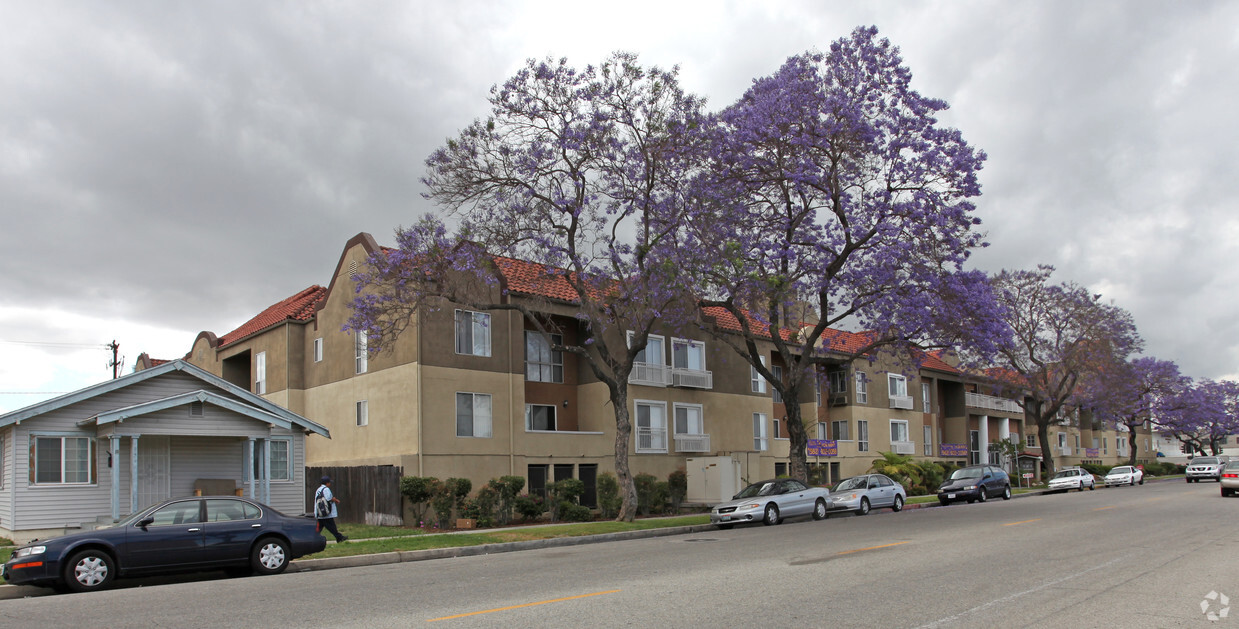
(115, 364)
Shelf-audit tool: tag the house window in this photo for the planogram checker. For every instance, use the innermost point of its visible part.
(899, 430)
(775, 423)
(64, 460)
(823, 431)
(757, 382)
(761, 441)
(1031, 441)
(862, 435)
(363, 413)
(543, 364)
(928, 449)
(862, 389)
(688, 420)
(318, 350)
(473, 415)
(838, 381)
(839, 430)
(686, 354)
(1062, 440)
(472, 333)
(652, 353)
(925, 398)
(897, 386)
(651, 426)
(774, 391)
(539, 417)
(281, 460)
(260, 373)
(361, 351)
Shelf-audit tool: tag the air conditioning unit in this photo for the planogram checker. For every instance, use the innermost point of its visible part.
(838, 399)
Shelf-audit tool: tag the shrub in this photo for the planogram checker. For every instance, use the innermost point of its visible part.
(449, 495)
(1096, 469)
(506, 488)
(609, 500)
(529, 507)
(647, 493)
(419, 490)
(677, 485)
(572, 512)
(566, 491)
(482, 507)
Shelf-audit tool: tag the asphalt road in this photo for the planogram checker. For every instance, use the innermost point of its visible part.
(1122, 557)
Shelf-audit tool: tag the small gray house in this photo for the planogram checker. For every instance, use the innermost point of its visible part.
(95, 455)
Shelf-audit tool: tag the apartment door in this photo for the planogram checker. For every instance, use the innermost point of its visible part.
(974, 447)
(154, 470)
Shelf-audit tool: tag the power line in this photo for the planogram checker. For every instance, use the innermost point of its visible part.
(34, 392)
(51, 344)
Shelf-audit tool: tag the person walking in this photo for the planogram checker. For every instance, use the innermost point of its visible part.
(325, 502)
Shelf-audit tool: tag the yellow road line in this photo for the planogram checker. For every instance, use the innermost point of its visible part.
(500, 609)
(857, 550)
(1022, 522)
(1104, 508)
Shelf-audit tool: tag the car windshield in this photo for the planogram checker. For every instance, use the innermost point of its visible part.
(967, 472)
(1065, 474)
(1121, 470)
(758, 489)
(1204, 460)
(857, 482)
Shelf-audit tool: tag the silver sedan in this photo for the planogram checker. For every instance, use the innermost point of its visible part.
(870, 491)
(770, 501)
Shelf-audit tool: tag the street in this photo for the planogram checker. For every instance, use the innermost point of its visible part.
(1143, 556)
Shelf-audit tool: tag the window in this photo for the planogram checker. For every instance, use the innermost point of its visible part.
(361, 351)
(539, 417)
(774, 391)
(780, 469)
(651, 427)
(537, 479)
(688, 420)
(472, 333)
(218, 510)
(1062, 440)
(862, 389)
(473, 415)
(652, 353)
(839, 430)
(925, 398)
(928, 448)
(363, 413)
(838, 381)
(686, 354)
(899, 430)
(760, 436)
(1104, 448)
(64, 460)
(775, 423)
(1096, 443)
(755, 378)
(543, 364)
(823, 431)
(1031, 441)
(862, 435)
(260, 373)
(897, 386)
(281, 460)
(318, 350)
(183, 512)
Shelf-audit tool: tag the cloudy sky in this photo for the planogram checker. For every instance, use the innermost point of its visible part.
(173, 167)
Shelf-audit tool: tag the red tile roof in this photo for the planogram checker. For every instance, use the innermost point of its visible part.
(933, 360)
(1007, 376)
(531, 278)
(299, 307)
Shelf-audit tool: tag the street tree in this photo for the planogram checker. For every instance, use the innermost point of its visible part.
(1063, 334)
(1204, 414)
(833, 196)
(1134, 393)
(581, 171)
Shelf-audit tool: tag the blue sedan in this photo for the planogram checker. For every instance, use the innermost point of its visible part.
(179, 535)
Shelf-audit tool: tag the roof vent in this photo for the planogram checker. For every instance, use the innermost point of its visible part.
(352, 268)
(195, 409)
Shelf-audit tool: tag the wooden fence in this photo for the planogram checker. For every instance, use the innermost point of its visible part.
(368, 494)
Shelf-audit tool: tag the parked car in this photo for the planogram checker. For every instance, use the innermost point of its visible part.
(1230, 479)
(975, 483)
(870, 491)
(1124, 475)
(178, 535)
(1206, 467)
(1070, 478)
(770, 501)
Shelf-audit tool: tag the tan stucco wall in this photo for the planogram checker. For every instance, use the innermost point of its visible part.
(392, 397)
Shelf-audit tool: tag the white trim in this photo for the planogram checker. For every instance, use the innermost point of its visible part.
(318, 350)
(489, 432)
(260, 373)
(761, 434)
(479, 322)
(652, 433)
(529, 417)
(362, 413)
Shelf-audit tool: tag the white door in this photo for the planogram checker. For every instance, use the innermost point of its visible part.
(154, 470)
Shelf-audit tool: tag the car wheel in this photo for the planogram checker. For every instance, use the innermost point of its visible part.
(981, 497)
(726, 527)
(772, 515)
(864, 507)
(1006, 492)
(1092, 486)
(1187, 480)
(270, 556)
(89, 570)
(1141, 481)
(898, 506)
(944, 502)
(819, 510)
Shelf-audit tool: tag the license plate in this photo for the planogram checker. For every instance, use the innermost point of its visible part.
(725, 518)
(950, 496)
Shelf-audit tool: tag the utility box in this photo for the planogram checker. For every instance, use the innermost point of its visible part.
(712, 479)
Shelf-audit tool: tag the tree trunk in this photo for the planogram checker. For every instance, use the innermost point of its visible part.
(1043, 435)
(1131, 441)
(799, 467)
(623, 433)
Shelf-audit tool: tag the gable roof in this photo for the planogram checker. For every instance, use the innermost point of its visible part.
(299, 307)
(107, 386)
(201, 395)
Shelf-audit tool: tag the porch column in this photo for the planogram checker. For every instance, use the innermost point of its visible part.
(248, 473)
(266, 471)
(114, 465)
(133, 475)
(1004, 433)
(983, 427)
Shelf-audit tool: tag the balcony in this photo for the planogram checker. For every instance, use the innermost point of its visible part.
(692, 443)
(650, 374)
(901, 401)
(1064, 450)
(989, 402)
(692, 378)
(903, 447)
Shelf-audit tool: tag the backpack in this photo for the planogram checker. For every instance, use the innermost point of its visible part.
(322, 506)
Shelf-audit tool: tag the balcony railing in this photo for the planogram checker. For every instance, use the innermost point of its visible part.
(694, 378)
(650, 374)
(901, 401)
(651, 439)
(1064, 450)
(692, 443)
(989, 402)
(903, 447)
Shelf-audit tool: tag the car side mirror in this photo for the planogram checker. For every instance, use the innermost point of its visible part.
(145, 522)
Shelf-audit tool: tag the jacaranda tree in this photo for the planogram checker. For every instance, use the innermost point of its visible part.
(583, 171)
(1203, 415)
(833, 196)
(1135, 393)
(1063, 335)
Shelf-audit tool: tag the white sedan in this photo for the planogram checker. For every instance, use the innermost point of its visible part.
(770, 501)
(1072, 478)
(1124, 475)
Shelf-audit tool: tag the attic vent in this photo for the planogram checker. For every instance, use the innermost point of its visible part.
(195, 409)
(352, 268)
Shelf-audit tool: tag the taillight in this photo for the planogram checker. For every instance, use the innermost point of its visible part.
(1230, 475)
